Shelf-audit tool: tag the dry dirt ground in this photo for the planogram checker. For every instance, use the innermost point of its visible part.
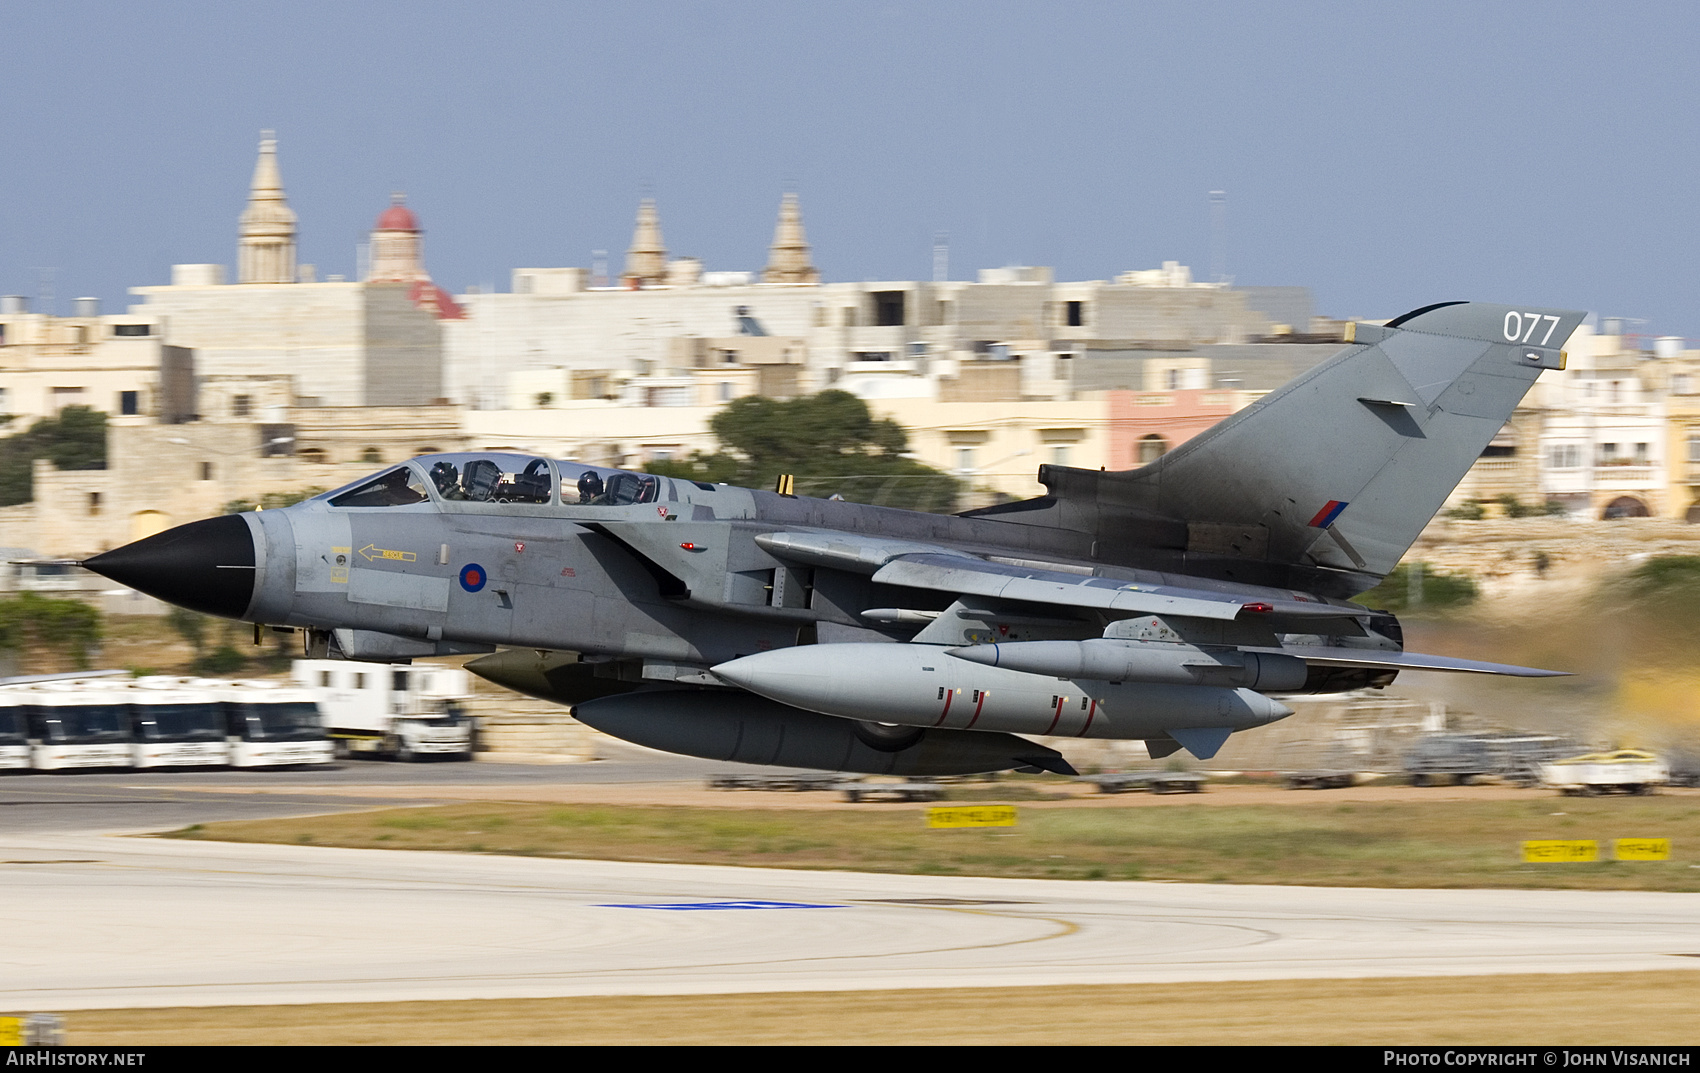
(1543, 1011)
(1075, 795)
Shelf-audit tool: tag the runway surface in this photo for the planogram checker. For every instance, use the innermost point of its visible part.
(98, 921)
(102, 919)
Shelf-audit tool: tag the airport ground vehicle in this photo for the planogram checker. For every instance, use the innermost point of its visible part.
(78, 725)
(408, 712)
(1624, 771)
(176, 724)
(14, 734)
(158, 722)
(271, 724)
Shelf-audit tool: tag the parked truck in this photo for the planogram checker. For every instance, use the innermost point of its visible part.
(412, 712)
(1626, 771)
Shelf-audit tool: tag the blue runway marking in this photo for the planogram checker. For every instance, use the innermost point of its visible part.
(724, 905)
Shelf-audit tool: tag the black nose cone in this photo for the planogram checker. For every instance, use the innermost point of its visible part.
(206, 566)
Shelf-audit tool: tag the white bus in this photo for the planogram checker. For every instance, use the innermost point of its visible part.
(77, 725)
(176, 724)
(272, 725)
(14, 733)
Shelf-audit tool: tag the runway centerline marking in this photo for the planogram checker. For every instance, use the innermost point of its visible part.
(720, 905)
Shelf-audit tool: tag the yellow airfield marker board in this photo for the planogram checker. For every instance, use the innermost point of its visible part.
(1561, 850)
(971, 816)
(1641, 849)
(11, 1031)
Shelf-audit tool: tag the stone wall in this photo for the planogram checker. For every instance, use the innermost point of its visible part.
(1506, 555)
(516, 728)
(404, 349)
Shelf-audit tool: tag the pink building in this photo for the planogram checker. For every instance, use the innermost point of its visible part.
(1147, 424)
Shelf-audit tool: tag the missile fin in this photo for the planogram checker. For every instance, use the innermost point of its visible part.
(1202, 742)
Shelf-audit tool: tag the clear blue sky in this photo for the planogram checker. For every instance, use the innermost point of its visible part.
(1385, 155)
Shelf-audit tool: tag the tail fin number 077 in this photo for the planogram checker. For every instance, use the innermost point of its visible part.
(1516, 331)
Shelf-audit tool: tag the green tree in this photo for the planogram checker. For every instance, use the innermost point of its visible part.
(1516, 508)
(191, 626)
(76, 439)
(830, 442)
(68, 629)
(270, 501)
(1425, 589)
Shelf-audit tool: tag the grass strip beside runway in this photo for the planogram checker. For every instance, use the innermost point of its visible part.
(1652, 1008)
(1391, 844)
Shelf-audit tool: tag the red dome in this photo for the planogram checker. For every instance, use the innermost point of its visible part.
(398, 217)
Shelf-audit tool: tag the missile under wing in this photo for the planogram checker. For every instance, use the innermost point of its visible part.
(1174, 603)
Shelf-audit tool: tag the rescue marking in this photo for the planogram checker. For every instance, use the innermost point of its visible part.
(1090, 712)
(372, 552)
(473, 577)
(949, 694)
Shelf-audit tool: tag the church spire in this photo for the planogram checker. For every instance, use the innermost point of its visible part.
(646, 261)
(266, 249)
(788, 257)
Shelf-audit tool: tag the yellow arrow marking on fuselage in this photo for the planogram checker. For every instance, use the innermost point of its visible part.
(371, 552)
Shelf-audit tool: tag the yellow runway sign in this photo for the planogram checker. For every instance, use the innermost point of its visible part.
(1641, 849)
(971, 816)
(1561, 851)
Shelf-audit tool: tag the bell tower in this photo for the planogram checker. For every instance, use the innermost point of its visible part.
(788, 257)
(646, 261)
(396, 253)
(266, 250)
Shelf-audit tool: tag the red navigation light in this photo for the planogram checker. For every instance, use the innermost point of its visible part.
(1258, 608)
(688, 546)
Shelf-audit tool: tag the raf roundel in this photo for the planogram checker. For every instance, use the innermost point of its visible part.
(473, 577)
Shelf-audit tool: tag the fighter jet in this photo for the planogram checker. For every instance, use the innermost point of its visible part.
(1173, 603)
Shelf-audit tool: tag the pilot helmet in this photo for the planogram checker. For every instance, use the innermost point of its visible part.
(444, 476)
(589, 486)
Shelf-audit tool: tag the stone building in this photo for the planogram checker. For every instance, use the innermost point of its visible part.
(376, 342)
(880, 339)
(1602, 439)
(118, 364)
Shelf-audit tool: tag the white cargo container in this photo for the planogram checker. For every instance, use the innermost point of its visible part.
(272, 724)
(409, 712)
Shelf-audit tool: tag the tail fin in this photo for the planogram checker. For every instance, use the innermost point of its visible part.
(1341, 468)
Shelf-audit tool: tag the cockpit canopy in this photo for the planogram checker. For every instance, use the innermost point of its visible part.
(500, 477)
